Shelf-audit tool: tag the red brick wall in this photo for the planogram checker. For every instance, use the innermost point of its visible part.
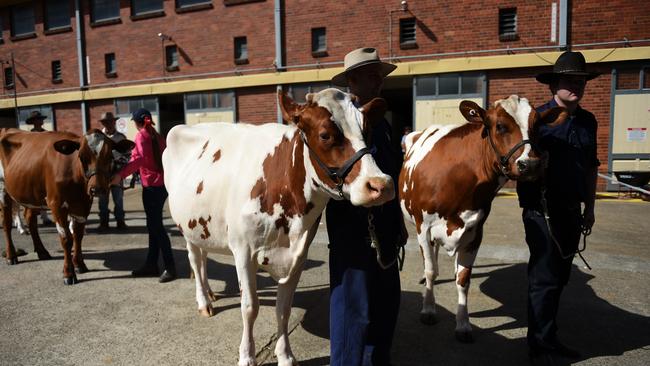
(96, 108)
(68, 117)
(257, 105)
(609, 20)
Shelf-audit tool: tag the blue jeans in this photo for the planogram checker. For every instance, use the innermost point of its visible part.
(153, 200)
(364, 303)
(118, 200)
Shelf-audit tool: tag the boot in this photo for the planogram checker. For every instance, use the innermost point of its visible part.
(167, 276)
(103, 225)
(121, 225)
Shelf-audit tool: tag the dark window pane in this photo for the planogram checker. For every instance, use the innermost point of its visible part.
(57, 14)
(22, 20)
(208, 101)
(111, 65)
(507, 22)
(471, 84)
(105, 9)
(426, 86)
(318, 87)
(184, 3)
(9, 77)
(447, 84)
(646, 78)
(146, 6)
(299, 93)
(134, 105)
(318, 40)
(122, 106)
(241, 48)
(407, 30)
(627, 79)
(150, 104)
(193, 101)
(56, 70)
(171, 54)
(225, 100)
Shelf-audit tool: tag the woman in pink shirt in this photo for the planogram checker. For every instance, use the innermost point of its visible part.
(146, 158)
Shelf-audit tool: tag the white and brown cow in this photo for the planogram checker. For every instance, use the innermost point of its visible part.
(257, 192)
(59, 171)
(450, 176)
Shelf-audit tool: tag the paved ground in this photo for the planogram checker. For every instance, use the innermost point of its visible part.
(110, 318)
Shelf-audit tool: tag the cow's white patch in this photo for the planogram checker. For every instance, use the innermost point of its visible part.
(64, 205)
(437, 228)
(95, 142)
(61, 230)
(424, 144)
(520, 110)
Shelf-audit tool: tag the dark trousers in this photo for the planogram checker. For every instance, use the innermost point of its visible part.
(153, 199)
(364, 303)
(548, 272)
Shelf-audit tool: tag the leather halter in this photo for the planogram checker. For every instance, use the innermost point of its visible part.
(337, 175)
(503, 159)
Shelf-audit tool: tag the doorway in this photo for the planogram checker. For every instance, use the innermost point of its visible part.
(171, 111)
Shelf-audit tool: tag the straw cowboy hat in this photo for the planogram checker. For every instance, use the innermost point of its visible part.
(107, 117)
(358, 58)
(569, 63)
(35, 115)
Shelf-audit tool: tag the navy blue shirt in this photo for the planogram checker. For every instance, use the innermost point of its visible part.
(571, 149)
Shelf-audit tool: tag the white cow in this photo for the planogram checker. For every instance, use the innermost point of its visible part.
(258, 191)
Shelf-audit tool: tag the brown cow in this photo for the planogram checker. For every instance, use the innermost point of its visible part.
(60, 171)
(450, 176)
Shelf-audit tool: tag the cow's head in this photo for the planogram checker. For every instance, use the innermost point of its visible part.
(509, 126)
(334, 129)
(96, 157)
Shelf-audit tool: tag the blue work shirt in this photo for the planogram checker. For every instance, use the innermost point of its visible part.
(572, 153)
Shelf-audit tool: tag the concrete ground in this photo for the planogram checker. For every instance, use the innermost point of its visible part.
(110, 318)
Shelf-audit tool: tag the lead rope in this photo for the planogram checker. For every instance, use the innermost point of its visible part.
(585, 231)
(374, 243)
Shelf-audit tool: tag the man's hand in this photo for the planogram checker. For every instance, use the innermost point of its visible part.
(588, 217)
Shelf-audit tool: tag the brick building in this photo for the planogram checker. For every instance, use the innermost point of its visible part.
(205, 60)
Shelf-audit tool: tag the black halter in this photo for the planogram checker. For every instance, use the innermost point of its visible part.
(503, 159)
(337, 175)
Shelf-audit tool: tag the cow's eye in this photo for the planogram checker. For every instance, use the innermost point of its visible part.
(324, 136)
(501, 128)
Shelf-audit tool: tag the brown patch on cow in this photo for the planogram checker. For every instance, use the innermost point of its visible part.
(204, 223)
(266, 261)
(199, 189)
(454, 223)
(283, 183)
(216, 156)
(463, 277)
(205, 146)
(191, 224)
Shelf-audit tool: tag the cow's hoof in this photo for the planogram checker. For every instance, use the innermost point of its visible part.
(44, 256)
(464, 336)
(428, 318)
(212, 296)
(207, 311)
(81, 269)
(72, 280)
(12, 261)
(247, 362)
(287, 361)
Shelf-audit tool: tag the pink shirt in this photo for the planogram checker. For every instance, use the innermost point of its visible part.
(142, 159)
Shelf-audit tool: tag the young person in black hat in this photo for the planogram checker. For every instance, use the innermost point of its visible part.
(146, 157)
(364, 276)
(566, 194)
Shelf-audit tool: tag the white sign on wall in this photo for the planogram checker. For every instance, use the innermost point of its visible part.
(121, 125)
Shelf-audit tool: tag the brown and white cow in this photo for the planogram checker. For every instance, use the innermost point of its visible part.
(59, 171)
(257, 192)
(450, 176)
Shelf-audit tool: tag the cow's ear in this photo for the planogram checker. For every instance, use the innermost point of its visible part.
(66, 147)
(124, 146)
(553, 117)
(374, 110)
(472, 112)
(289, 108)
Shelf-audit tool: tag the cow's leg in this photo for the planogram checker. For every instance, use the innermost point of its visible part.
(283, 312)
(464, 263)
(204, 275)
(196, 262)
(61, 219)
(246, 269)
(32, 219)
(78, 225)
(18, 222)
(7, 203)
(430, 254)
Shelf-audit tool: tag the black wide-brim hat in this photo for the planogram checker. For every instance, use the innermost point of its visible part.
(34, 116)
(569, 63)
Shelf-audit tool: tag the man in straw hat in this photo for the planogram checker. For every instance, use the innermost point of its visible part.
(108, 121)
(364, 276)
(552, 213)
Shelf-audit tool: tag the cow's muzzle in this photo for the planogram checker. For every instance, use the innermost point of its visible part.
(374, 192)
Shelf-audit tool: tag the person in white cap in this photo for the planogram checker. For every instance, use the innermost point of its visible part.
(364, 275)
(108, 122)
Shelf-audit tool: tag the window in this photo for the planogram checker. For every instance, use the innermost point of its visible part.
(407, 33)
(171, 57)
(125, 107)
(299, 92)
(181, 4)
(22, 20)
(209, 100)
(627, 79)
(448, 85)
(110, 65)
(9, 77)
(241, 50)
(56, 71)
(45, 109)
(141, 7)
(57, 14)
(445, 86)
(646, 78)
(471, 84)
(508, 24)
(105, 10)
(318, 42)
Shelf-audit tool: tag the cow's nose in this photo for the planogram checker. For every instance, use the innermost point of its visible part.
(522, 166)
(379, 188)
